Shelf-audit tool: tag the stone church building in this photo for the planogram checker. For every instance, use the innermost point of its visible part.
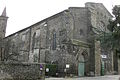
(66, 39)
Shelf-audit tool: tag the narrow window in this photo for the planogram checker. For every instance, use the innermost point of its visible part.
(54, 41)
(1, 54)
(33, 41)
(81, 32)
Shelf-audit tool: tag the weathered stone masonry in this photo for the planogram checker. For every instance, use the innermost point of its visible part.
(64, 38)
(21, 71)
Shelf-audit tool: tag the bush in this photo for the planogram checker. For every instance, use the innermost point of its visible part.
(52, 70)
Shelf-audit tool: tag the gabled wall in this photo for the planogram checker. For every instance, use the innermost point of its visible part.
(99, 19)
(51, 40)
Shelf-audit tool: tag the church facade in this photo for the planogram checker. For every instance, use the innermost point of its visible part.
(66, 39)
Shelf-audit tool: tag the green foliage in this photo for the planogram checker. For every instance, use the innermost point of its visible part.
(111, 39)
(52, 69)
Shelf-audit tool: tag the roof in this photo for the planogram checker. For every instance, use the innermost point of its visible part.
(4, 12)
(44, 20)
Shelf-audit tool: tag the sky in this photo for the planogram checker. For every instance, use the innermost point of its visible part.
(23, 13)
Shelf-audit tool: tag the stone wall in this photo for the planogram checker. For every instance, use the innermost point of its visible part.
(22, 71)
(99, 19)
(80, 21)
(49, 40)
(97, 58)
(119, 64)
(17, 46)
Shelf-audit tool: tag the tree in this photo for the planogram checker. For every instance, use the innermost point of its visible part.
(111, 39)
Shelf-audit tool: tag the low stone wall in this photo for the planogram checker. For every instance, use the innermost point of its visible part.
(22, 71)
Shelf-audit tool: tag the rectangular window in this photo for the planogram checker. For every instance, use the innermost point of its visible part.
(54, 41)
(1, 53)
(62, 32)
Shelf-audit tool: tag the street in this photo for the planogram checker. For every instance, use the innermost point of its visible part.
(107, 77)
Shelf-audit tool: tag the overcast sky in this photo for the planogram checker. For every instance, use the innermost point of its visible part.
(23, 13)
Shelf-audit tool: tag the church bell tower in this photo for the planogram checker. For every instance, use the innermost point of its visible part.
(3, 24)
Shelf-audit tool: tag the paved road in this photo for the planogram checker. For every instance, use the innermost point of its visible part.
(110, 77)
